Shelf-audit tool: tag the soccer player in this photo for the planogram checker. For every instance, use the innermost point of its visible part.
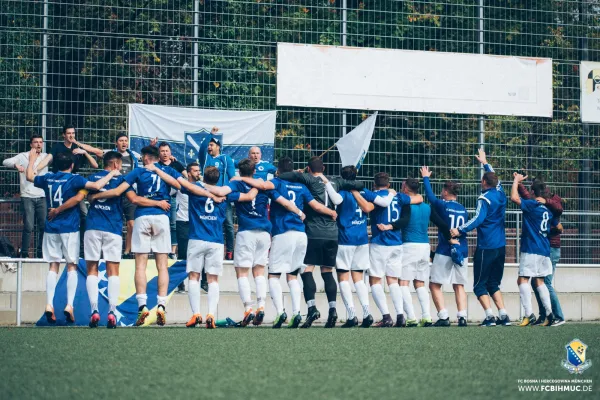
(535, 248)
(353, 247)
(415, 257)
(253, 239)
(61, 235)
(264, 169)
(289, 243)
(444, 270)
(322, 233)
(151, 227)
(488, 263)
(103, 235)
(385, 250)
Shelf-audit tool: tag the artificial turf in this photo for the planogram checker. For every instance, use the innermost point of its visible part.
(262, 363)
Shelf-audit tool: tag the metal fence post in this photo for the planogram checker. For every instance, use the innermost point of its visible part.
(19, 290)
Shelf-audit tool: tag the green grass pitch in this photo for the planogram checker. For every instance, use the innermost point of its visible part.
(178, 363)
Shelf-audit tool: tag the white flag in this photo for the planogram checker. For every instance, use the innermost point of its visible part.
(354, 146)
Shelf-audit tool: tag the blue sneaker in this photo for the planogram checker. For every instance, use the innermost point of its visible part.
(489, 321)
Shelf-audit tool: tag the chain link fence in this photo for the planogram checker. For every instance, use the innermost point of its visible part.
(83, 62)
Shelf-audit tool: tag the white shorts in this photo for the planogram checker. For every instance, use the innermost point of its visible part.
(352, 258)
(534, 265)
(385, 261)
(207, 255)
(415, 263)
(56, 246)
(287, 252)
(444, 271)
(151, 234)
(251, 248)
(96, 242)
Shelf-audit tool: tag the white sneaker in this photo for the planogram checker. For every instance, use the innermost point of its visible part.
(559, 322)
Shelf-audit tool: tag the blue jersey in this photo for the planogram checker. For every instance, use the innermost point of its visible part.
(282, 219)
(387, 215)
(224, 164)
(536, 227)
(106, 214)
(416, 230)
(252, 216)
(351, 220)
(489, 218)
(206, 217)
(151, 186)
(263, 169)
(60, 187)
(454, 214)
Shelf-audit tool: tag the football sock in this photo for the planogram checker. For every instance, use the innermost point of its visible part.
(525, 291)
(443, 314)
(379, 298)
(396, 294)
(194, 295)
(213, 297)
(245, 292)
(114, 288)
(502, 312)
(91, 283)
(488, 312)
(310, 287)
(423, 296)
(50, 287)
(261, 290)
(363, 296)
(408, 304)
(71, 287)
(332, 304)
(462, 313)
(545, 298)
(295, 294)
(161, 301)
(141, 299)
(330, 287)
(346, 292)
(276, 295)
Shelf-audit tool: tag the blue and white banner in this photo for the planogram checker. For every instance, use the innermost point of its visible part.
(354, 146)
(187, 130)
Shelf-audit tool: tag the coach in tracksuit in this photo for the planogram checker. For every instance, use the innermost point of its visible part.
(488, 263)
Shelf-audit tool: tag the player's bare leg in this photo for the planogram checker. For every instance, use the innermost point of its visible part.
(261, 293)
(51, 280)
(128, 237)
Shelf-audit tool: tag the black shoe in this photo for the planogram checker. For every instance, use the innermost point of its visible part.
(367, 321)
(280, 321)
(172, 256)
(442, 322)
(295, 323)
(260, 316)
(351, 323)
(400, 321)
(549, 320)
(489, 321)
(462, 321)
(539, 321)
(503, 321)
(332, 318)
(181, 288)
(128, 256)
(386, 322)
(312, 316)
(204, 286)
(24, 255)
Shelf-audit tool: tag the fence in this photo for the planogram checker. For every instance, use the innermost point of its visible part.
(83, 62)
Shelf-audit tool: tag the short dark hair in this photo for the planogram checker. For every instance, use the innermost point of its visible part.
(211, 175)
(63, 161)
(150, 151)
(120, 135)
(36, 136)
(246, 167)
(412, 184)
(164, 144)
(490, 179)
(452, 187)
(381, 179)
(349, 172)
(285, 164)
(67, 126)
(539, 188)
(191, 165)
(111, 156)
(316, 164)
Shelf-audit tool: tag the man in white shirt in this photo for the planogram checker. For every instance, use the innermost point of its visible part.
(33, 200)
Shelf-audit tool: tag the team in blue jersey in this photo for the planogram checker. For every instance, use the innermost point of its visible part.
(272, 233)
